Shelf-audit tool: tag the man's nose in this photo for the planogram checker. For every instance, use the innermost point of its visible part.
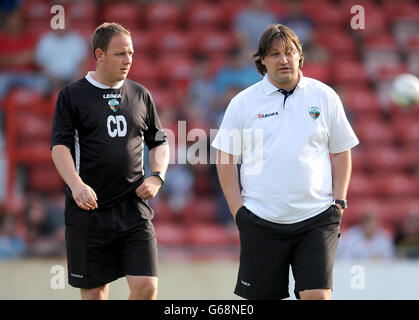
(283, 59)
(127, 59)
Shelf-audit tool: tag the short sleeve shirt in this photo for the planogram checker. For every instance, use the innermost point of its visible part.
(105, 129)
(285, 145)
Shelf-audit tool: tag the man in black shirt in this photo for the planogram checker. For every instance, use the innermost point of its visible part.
(100, 124)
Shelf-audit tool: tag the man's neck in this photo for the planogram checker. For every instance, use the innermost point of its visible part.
(288, 86)
(98, 76)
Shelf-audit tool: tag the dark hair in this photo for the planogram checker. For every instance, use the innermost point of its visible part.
(270, 35)
(104, 33)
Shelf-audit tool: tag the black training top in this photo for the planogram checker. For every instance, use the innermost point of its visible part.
(105, 130)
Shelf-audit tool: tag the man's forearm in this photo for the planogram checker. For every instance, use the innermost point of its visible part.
(341, 173)
(159, 158)
(64, 163)
(229, 181)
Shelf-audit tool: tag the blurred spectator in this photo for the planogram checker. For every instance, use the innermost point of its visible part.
(45, 226)
(367, 240)
(299, 22)
(407, 239)
(61, 56)
(179, 186)
(201, 93)
(11, 245)
(237, 72)
(17, 64)
(251, 22)
(220, 105)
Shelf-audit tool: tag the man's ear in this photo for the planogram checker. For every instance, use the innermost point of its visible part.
(262, 62)
(99, 54)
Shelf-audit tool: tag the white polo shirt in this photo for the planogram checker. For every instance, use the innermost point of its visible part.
(284, 147)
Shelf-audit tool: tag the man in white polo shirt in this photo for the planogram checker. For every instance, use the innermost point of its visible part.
(294, 142)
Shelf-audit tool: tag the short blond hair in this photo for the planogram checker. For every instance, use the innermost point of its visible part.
(104, 33)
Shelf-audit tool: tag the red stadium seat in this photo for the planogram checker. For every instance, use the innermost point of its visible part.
(163, 98)
(349, 73)
(27, 100)
(142, 42)
(170, 234)
(359, 159)
(229, 11)
(44, 178)
(162, 210)
(163, 16)
(200, 210)
(357, 208)
(32, 127)
(125, 13)
(412, 43)
(324, 14)
(360, 101)
(394, 210)
(37, 10)
(213, 43)
(380, 43)
(168, 43)
(338, 43)
(391, 70)
(362, 186)
(317, 71)
(208, 235)
(397, 185)
(372, 133)
(407, 132)
(82, 11)
(276, 7)
(390, 159)
(177, 70)
(203, 16)
(400, 10)
(144, 70)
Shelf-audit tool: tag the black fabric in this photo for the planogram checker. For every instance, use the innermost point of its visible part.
(286, 93)
(110, 135)
(106, 244)
(269, 249)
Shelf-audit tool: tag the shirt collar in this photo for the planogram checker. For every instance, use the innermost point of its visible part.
(269, 88)
(101, 85)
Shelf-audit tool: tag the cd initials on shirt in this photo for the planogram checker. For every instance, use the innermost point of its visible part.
(117, 126)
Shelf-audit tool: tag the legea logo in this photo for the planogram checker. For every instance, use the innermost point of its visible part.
(266, 115)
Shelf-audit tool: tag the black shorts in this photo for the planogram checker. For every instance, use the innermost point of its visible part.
(268, 249)
(106, 244)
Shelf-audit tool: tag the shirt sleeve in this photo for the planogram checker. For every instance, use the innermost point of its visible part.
(63, 125)
(155, 135)
(229, 136)
(341, 135)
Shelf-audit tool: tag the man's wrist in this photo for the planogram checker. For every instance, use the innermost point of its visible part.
(339, 206)
(159, 175)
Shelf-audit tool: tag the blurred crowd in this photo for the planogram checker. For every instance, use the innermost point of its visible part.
(194, 56)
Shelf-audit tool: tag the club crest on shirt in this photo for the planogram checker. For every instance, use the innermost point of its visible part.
(314, 112)
(114, 105)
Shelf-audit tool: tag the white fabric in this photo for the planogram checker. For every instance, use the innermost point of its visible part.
(101, 85)
(286, 169)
